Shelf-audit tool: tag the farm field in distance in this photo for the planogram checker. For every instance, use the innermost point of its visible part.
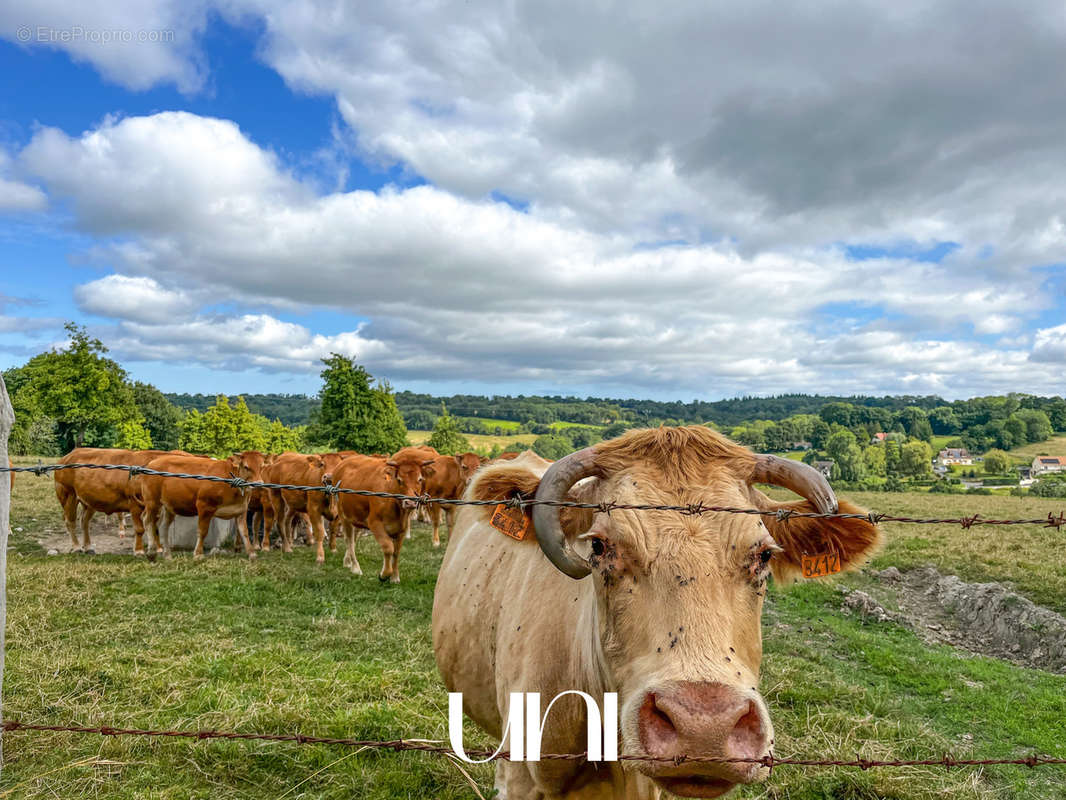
(282, 645)
(478, 440)
(1055, 446)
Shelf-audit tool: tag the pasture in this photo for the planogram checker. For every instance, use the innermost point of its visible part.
(478, 441)
(1055, 446)
(282, 645)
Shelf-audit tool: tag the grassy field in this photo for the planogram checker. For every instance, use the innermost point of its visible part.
(477, 440)
(283, 645)
(1055, 446)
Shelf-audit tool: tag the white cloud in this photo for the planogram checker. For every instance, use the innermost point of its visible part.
(135, 43)
(463, 289)
(759, 140)
(17, 196)
(139, 299)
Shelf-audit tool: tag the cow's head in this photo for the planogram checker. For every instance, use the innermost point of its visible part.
(468, 464)
(679, 596)
(249, 464)
(406, 471)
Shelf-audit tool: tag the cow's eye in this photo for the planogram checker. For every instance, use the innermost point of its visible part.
(598, 548)
(766, 555)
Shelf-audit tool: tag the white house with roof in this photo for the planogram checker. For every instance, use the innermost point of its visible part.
(954, 455)
(1045, 464)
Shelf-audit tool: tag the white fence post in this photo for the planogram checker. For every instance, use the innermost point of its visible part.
(7, 420)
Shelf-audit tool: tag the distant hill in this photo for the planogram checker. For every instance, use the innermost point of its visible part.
(296, 409)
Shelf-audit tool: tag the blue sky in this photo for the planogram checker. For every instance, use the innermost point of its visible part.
(473, 200)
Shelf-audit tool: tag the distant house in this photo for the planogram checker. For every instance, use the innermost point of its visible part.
(824, 467)
(954, 455)
(799, 445)
(879, 437)
(1045, 464)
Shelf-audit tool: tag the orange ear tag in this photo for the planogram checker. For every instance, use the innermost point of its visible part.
(820, 565)
(511, 521)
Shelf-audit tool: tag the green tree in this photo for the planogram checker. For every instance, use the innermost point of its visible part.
(446, 438)
(161, 417)
(354, 415)
(191, 432)
(1037, 424)
(916, 459)
(997, 462)
(843, 448)
(874, 458)
(279, 439)
(915, 423)
(944, 421)
(553, 446)
(132, 435)
(78, 387)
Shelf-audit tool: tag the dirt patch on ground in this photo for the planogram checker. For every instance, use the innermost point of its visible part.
(984, 618)
(103, 533)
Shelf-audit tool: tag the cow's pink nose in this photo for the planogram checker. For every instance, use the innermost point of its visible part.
(707, 719)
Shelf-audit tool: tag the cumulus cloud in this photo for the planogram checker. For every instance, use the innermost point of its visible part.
(139, 299)
(17, 196)
(132, 43)
(690, 180)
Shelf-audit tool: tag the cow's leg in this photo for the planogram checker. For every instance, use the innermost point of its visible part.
(68, 499)
(351, 536)
(288, 521)
(121, 524)
(205, 512)
(332, 530)
(270, 513)
(257, 523)
(150, 521)
(168, 520)
(137, 518)
(388, 547)
(450, 513)
(434, 518)
(397, 543)
(242, 531)
(319, 531)
(86, 517)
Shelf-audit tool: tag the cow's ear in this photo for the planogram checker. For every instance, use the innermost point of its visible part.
(853, 541)
(458, 460)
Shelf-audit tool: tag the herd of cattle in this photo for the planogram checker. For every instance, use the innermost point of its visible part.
(670, 620)
(153, 501)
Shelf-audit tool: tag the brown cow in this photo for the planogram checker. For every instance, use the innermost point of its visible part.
(285, 504)
(449, 479)
(659, 607)
(198, 498)
(98, 490)
(386, 518)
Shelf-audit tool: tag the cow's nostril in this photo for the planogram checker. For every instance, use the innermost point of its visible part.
(747, 739)
(658, 733)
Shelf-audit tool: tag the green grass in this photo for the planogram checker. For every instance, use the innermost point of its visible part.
(284, 645)
(562, 426)
(1055, 446)
(504, 424)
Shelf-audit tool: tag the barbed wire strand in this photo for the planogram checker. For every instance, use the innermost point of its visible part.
(770, 760)
(1052, 520)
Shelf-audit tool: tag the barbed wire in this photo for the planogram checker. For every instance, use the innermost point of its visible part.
(770, 760)
(1052, 520)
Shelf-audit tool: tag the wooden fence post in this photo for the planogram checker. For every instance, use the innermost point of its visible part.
(7, 421)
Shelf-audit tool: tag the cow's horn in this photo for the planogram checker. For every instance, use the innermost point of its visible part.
(803, 479)
(556, 482)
